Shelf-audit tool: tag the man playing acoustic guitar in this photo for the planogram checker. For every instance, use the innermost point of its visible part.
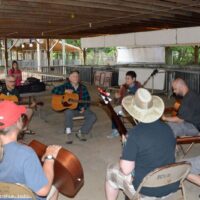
(74, 86)
(9, 92)
(19, 163)
(128, 88)
(187, 121)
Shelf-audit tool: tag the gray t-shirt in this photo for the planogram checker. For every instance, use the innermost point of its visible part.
(20, 164)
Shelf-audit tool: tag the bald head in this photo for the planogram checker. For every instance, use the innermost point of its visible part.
(180, 87)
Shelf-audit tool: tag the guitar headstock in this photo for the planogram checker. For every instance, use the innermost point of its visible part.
(104, 95)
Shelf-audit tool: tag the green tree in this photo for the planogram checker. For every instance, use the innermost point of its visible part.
(183, 55)
(76, 43)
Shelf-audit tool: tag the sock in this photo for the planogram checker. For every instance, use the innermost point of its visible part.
(68, 131)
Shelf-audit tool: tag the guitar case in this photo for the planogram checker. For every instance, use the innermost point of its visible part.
(32, 84)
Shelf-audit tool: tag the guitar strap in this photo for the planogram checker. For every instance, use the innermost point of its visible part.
(80, 92)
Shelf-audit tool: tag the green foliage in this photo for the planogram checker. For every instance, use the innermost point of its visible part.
(76, 43)
(183, 55)
(101, 56)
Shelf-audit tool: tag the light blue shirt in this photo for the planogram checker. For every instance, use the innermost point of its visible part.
(20, 164)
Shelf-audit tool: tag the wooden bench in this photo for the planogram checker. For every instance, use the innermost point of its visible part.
(190, 140)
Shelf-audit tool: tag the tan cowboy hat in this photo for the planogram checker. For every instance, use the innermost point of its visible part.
(143, 106)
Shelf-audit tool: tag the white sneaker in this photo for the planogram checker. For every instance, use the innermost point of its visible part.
(115, 133)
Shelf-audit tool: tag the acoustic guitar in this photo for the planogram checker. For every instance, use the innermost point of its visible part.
(9, 98)
(173, 110)
(66, 101)
(68, 177)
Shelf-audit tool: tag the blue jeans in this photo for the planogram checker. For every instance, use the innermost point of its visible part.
(183, 129)
(90, 119)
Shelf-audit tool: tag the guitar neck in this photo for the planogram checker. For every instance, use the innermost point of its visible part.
(82, 101)
(119, 125)
(118, 122)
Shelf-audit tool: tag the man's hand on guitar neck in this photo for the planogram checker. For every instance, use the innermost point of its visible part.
(69, 91)
(124, 139)
(82, 110)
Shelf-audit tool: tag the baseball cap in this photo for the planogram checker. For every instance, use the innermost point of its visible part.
(10, 113)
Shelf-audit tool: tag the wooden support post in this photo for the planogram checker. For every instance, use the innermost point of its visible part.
(168, 56)
(17, 55)
(84, 56)
(6, 55)
(48, 53)
(196, 54)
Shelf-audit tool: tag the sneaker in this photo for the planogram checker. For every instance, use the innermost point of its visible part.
(69, 139)
(81, 136)
(28, 132)
(114, 133)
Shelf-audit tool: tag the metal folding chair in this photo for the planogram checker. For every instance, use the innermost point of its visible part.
(15, 191)
(164, 176)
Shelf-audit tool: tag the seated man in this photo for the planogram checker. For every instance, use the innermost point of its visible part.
(187, 121)
(128, 88)
(10, 90)
(74, 86)
(19, 163)
(145, 150)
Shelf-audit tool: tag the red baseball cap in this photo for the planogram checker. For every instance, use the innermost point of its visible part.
(10, 113)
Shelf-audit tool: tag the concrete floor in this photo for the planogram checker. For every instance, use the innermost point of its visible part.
(94, 154)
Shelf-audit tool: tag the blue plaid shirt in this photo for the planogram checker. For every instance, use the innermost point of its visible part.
(81, 91)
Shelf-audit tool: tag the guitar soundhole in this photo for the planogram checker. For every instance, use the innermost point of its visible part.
(66, 104)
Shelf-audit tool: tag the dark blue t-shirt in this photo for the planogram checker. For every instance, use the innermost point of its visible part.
(190, 109)
(150, 145)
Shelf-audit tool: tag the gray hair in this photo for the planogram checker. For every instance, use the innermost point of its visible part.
(9, 76)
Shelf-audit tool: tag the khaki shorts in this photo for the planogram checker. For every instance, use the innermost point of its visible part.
(118, 180)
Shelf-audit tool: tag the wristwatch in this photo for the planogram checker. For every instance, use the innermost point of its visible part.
(49, 157)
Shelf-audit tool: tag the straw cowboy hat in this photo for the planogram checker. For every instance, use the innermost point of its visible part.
(143, 106)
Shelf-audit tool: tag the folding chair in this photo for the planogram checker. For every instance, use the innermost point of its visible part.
(164, 176)
(78, 121)
(15, 191)
(190, 140)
